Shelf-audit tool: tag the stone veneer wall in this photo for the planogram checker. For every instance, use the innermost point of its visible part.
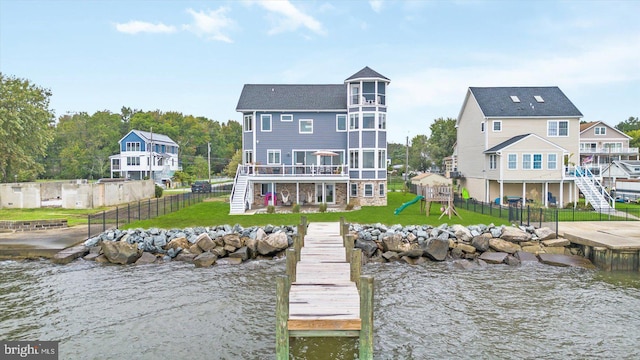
(376, 199)
(305, 189)
(17, 225)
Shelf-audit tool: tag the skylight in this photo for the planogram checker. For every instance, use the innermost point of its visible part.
(515, 99)
(539, 98)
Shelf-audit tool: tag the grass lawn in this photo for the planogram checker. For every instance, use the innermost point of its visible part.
(73, 216)
(212, 213)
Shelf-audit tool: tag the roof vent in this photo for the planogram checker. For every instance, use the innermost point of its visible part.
(515, 99)
(539, 98)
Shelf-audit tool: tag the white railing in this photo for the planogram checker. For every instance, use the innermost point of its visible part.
(294, 170)
(629, 150)
(593, 189)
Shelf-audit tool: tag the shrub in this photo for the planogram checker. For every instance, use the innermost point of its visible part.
(323, 207)
(296, 208)
(271, 209)
(158, 191)
(352, 203)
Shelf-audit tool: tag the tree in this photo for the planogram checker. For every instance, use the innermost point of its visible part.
(418, 156)
(232, 167)
(632, 123)
(442, 140)
(25, 128)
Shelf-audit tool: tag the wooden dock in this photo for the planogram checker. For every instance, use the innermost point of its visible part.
(319, 296)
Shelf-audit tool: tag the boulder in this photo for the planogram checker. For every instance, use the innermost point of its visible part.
(534, 249)
(558, 250)
(566, 260)
(242, 253)
(119, 252)
(146, 258)
(219, 251)
(102, 259)
(179, 242)
(233, 240)
(544, 233)
(273, 243)
(436, 249)
(462, 233)
(185, 256)
(67, 255)
(467, 248)
(205, 259)
(204, 242)
(493, 257)
(412, 253)
(390, 255)
(481, 242)
(252, 245)
(514, 234)
(512, 261)
(396, 243)
(91, 256)
(368, 247)
(526, 257)
(556, 242)
(504, 246)
(462, 264)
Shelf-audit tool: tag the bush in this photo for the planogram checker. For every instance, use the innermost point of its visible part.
(271, 209)
(323, 207)
(352, 203)
(296, 208)
(158, 191)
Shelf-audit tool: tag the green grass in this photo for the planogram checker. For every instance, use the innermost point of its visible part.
(217, 213)
(73, 216)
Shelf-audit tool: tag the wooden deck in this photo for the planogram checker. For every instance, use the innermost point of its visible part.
(323, 301)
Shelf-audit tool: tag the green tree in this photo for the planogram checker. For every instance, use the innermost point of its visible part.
(232, 167)
(442, 140)
(632, 123)
(397, 153)
(25, 128)
(418, 155)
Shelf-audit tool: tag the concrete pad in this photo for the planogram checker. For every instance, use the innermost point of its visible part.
(68, 255)
(41, 243)
(566, 260)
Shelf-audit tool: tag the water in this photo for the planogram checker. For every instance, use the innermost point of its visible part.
(175, 311)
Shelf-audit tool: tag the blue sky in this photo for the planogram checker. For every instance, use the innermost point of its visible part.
(195, 56)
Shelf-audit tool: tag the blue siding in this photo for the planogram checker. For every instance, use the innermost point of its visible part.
(368, 174)
(132, 137)
(382, 174)
(382, 139)
(354, 140)
(368, 139)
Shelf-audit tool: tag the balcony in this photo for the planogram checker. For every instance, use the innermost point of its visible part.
(293, 172)
(607, 151)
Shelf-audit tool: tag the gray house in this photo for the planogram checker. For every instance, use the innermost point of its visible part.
(313, 144)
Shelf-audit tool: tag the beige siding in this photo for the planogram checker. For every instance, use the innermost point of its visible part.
(471, 160)
(515, 127)
(530, 145)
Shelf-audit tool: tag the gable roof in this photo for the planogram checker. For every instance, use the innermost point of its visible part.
(505, 144)
(157, 138)
(366, 73)
(497, 102)
(292, 97)
(627, 166)
(586, 126)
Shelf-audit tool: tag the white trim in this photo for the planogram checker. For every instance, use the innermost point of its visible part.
(283, 115)
(381, 189)
(351, 188)
(346, 123)
(300, 126)
(364, 192)
(557, 122)
(373, 115)
(516, 167)
(262, 117)
(493, 125)
(274, 151)
(244, 123)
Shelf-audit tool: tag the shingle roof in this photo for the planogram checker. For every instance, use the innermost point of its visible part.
(497, 102)
(292, 97)
(366, 73)
(156, 137)
(506, 143)
(585, 126)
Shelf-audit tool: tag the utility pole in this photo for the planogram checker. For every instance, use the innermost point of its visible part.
(151, 155)
(209, 160)
(406, 163)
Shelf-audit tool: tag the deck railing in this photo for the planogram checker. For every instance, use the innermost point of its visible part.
(295, 170)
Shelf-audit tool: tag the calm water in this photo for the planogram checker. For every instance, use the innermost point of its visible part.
(432, 311)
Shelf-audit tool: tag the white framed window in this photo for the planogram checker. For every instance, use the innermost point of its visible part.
(612, 147)
(248, 123)
(265, 122)
(526, 161)
(382, 121)
(557, 128)
(286, 117)
(265, 188)
(341, 122)
(552, 161)
(368, 121)
(382, 159)
(368, 190)
(497, 125)
(354, 159)
(537, 161)
(353, 190)
(306, 126)
(273, 157)
(482, 126)
(354, 122)
(601, 130)
(248, 156)
(512, 161)
(493, 161)
(133, 146)
(355, 94)
(588, 147)
(381, 189)
(133, 161)
(368, 159)
(531, 161)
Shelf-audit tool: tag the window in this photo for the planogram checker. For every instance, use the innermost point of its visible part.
(497, 126)
(354, 190)
(526, 161)
(306, 126)
(354, 160)
(587, 147)
(273, 157)
(558, 128)
(532, 161)
(265, 188)
(382, 159)
(601, 130)
(133, 161)
(133, 146)
(382, 121)
(537, 161)
(482, 126)
(265, 122)
(286, 117)
(612, 147)
(341, 122)
(248, 123)
(368, 190)
(368, 121)
(354, 122)
(493, 162)
(355, 94)
(552, 161)
(248, 157)
(381, 189)
(512, 161)
(368, 161)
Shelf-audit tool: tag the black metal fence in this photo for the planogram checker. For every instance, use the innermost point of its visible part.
(148, 209)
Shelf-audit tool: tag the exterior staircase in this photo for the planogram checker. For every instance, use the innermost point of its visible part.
(238, 194)
(594, 192)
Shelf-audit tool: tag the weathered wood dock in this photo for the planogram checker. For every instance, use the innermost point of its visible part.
(323, 294)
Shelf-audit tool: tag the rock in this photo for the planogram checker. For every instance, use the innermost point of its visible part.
(242, 253)
(205, 259)
(526, 257)
(230, 249)
(95, 250)
(456, 253)
(204, 242)
(94, 241)
(413, 253)
(493, 257)
(436, 249)
(512, 261)
(534, 249)
(195, 249)
(558, 250)
(91, 256)
(102, 259)
(233, 240)
(229, 261)
(273, 243)
(179, 242)
(368, 247)
(463, 264)
(462, 233)
(145, 259)
(544, 233)
(67, 255)
(219, 251)
(503, 246)
(260, 234)
(390, 255)
(566, 260)
(171, 253)
(395, 243)
(556, 242)
(119, 252)
(481, 243)
(467, 248)
(185, 256)
(514, 234)
(252, 245)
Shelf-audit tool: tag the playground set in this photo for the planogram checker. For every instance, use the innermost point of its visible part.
(427, 195)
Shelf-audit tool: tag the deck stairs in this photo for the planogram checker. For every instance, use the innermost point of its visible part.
(594, 193)
(238, 197)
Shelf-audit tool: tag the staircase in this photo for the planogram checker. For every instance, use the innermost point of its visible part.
(594, 192)
(238, 194)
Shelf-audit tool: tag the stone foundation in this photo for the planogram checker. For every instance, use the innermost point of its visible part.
(376, 199)
(32, 225)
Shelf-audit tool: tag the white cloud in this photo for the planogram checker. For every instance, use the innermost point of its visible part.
(210, 25)
(134, 27)
(290, 18)
(376, 5)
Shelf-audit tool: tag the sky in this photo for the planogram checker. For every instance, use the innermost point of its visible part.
(195, 56)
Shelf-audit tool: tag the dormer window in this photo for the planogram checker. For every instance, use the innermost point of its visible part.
(601, 130)
(515, 99)
(539, 98)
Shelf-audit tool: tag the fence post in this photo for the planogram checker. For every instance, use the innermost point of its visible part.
(88, 226)
(104, 222)
(356, 266)
(139, 211)
(282, 317)
(291, 264)
(128, 213)
(366, 318)
(557, 221)
(117, 218)
(148, 209)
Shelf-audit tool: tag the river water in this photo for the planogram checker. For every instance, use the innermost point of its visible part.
(430, 311)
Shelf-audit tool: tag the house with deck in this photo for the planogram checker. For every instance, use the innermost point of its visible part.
(520, 143)
(146, 155)
(313, 143)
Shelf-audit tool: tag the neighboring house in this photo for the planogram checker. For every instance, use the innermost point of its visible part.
(451, 164)
(136, 148)
(620, 170)
(601, 145)
(312, 144)
(430, 179)
(514, 141)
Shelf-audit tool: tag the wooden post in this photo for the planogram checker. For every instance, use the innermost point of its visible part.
(292, 261)
(348, 247)
(282, 318)
(356, 266)
(303, 222)
(297, 246)
(366, 318)
(341, 225)
(301, 233)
